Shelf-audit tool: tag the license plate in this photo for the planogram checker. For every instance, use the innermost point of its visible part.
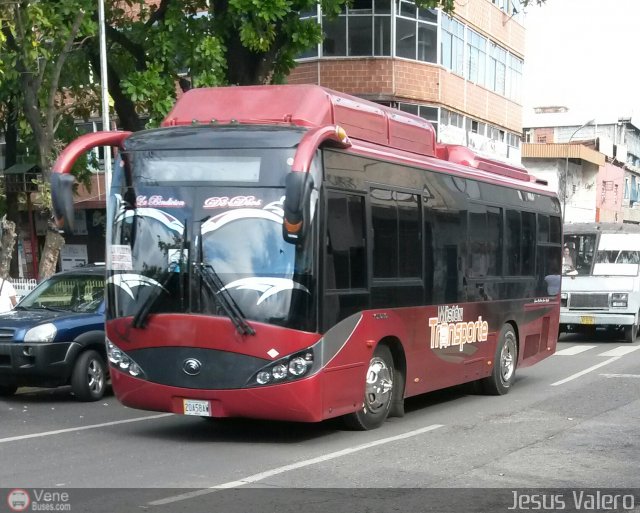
(587, 320)
(196, 407)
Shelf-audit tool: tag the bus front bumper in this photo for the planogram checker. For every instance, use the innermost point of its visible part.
(300, 401)
(587, 318)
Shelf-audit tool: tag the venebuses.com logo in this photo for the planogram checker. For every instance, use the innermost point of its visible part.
(18, 500)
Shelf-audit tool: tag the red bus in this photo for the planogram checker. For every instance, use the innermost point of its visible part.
(294, 253)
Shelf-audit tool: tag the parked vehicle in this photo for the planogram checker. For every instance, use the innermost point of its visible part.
(55, 336)
(601, 282)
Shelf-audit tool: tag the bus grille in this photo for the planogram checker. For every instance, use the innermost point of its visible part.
(589, 301)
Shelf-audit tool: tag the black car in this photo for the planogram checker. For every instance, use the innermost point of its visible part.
(55, 336)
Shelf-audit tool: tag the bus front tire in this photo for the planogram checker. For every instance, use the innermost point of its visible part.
(504, 364)
(379, 393)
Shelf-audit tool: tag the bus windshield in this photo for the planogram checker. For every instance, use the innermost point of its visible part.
(233, 230)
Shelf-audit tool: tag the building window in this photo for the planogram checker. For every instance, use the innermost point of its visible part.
(416, 32)
(452, 44)
(477, 51)
(496, 71)
(515, 77)
(362, 29)
(424, 111)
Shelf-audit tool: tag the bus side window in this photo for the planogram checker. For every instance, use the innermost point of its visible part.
(346, 257)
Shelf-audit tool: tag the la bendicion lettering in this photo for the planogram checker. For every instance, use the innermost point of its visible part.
(450, 329)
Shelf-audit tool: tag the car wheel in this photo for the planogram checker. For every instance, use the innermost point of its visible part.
(89, 377)
(504, 363)
(379, 393)
(7, 390)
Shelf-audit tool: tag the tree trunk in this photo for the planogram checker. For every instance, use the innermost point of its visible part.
(11, 155)
(8, 242)
(49, 258)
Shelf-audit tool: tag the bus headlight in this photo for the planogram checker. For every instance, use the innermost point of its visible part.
(118, 359)
(619, 300)
(285, 369)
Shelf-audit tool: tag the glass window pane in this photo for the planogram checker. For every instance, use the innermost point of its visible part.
(382, 35)
(360, 36)
(382, 6)
(428, 15)
(478, 264)
(513, 235)
(409, 239)
(408, 9)
(555, 229)
(528, 243)
(494, 223)
(429, 113)
(384, 215)
(543, 228)
(427, 42)
(361, 6)
(335, 36)
(346, 256)
(405, 38)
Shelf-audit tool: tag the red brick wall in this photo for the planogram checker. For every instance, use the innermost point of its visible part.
(410, 81)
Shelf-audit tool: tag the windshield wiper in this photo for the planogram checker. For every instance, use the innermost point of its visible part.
(213, 282)
(49, 308)
(142, 314)
(224, 299)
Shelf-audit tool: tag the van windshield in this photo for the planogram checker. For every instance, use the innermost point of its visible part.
(578, 254)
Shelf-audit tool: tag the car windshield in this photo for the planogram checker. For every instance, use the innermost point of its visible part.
(578, 254)
(67, 292)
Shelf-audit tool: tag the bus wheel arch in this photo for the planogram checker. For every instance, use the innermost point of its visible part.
(380, 391)
(505, 361)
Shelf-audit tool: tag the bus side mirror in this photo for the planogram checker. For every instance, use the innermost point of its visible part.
(62, 200)
(295, 225)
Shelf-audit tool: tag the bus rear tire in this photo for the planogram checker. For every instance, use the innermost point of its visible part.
(504, 364)
(379, 393)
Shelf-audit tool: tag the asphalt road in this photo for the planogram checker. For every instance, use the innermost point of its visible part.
(570, 421)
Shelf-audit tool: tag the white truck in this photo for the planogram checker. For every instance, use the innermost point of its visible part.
(600, 281)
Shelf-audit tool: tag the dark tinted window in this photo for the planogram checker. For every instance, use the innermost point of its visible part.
(346, 257)
(528, 243)
(555, 229)
(494, 225)
(478, 261)
(543, 229)
(513, 235)
(396, 234)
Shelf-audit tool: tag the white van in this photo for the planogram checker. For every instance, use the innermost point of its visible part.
(600, 281)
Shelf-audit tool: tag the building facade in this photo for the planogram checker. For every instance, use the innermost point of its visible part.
(595, 166)
(461, 72)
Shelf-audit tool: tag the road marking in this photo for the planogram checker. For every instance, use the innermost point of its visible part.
(570, 351)
(586, 371)
(81, 428)
(293, 466)
(620, 351)
(635, 376)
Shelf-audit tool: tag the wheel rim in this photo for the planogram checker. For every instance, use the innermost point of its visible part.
(379, 385)
(508, 358)
(95, 376)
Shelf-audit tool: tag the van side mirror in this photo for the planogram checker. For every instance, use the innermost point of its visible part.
(295, 225)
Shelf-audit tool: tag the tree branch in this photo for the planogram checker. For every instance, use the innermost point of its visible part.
(159, 14)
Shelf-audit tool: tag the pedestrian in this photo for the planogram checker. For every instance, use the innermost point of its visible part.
(7, 296)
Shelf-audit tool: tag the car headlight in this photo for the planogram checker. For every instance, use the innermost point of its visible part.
(121, 361)
(43, 333)
(289, 368)
(619, 299)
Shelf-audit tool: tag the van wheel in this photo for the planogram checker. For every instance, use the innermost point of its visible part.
(7, 390)
(89, 377)
(630, 333)
(378, 395)
(504, 363)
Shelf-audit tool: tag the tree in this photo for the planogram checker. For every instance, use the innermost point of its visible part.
(38, 38)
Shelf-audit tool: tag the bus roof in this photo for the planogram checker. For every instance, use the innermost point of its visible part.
(314, 106)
